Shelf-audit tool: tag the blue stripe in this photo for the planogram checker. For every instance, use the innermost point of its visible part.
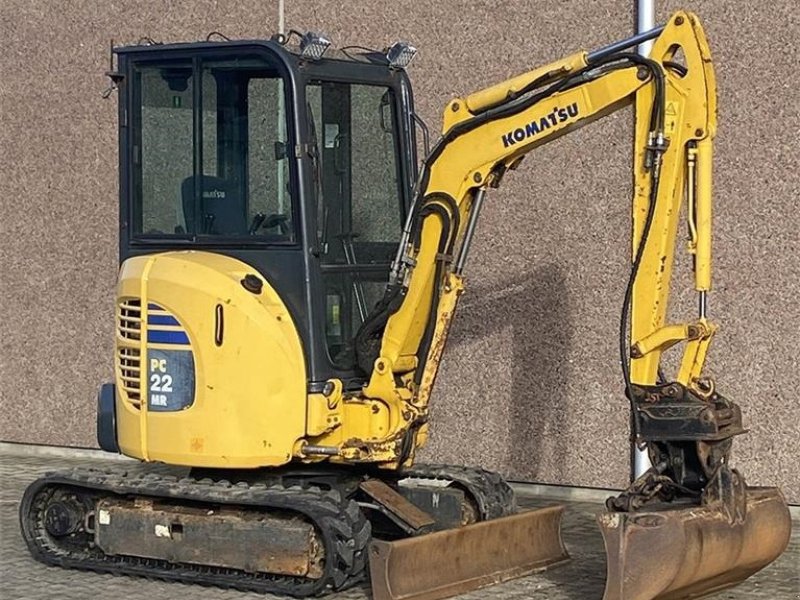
(167, 337)
(151, 306)
(162, 320)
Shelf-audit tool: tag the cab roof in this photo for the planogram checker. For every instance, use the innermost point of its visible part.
(351, 54)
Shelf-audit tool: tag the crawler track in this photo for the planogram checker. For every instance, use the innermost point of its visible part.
(344, 530)
(493, 497)
(342, 527)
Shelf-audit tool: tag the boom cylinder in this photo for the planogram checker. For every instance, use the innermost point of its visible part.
(477, 203)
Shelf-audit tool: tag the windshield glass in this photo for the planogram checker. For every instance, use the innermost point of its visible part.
(209, 153)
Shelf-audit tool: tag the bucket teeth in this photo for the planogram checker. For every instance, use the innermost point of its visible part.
(693, 551)
(456, 561)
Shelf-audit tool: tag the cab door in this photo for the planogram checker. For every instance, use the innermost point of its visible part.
(361, 195)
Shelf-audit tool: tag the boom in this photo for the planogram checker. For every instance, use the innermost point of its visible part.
(490, 131)
(686, 426)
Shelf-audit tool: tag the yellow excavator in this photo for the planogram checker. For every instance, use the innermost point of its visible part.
(269, 189)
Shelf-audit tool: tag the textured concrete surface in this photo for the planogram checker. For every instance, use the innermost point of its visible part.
(580, 579)
(530, 385)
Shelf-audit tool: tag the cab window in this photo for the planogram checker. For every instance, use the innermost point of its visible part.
(360, 209)
(209, 152)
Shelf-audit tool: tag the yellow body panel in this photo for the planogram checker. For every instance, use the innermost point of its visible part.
(249, 403)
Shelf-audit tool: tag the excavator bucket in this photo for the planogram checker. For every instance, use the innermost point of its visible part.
(455, 561)
(691, 552)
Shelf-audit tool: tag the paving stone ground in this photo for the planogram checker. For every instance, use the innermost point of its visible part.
(581, 579)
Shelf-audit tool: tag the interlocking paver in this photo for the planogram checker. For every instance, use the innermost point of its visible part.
(581, 579)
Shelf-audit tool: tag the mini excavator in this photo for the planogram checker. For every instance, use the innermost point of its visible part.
(269, 190)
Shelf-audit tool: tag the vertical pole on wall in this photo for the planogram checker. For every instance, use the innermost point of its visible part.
(645, 21)
(281, 174)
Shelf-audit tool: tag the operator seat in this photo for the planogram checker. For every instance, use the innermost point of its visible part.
(223, 210)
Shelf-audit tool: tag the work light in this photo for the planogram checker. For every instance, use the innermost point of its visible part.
(313, 45)
(400, 54)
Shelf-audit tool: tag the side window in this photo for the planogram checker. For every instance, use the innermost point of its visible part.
(359, 202)
(209, 109)
(268, 162)
(163, 151)
(376, 210)
(218, 168)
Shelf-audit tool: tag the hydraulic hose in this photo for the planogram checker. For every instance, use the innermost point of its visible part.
(626, 304)
(515, 106)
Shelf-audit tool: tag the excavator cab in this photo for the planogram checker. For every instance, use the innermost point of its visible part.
(300, 168)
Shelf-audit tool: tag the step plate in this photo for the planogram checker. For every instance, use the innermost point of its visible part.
(456, 561)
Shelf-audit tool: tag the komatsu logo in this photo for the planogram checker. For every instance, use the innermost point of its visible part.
(537, 126)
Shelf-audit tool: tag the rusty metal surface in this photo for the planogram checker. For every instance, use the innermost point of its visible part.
(691, 552)
(445, 563)
(236, 539)
(447, 504)
(398, 504)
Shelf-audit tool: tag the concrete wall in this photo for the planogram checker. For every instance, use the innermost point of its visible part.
(530, 384)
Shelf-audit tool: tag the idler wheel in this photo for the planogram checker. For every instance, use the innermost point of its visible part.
(62, 517)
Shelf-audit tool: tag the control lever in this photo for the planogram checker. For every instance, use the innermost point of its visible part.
(279, 221)
(258, 220)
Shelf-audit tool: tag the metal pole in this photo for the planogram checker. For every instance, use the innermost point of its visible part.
(645, 21)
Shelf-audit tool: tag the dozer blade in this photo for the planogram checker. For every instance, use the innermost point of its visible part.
(455, 561)
(692, 552)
